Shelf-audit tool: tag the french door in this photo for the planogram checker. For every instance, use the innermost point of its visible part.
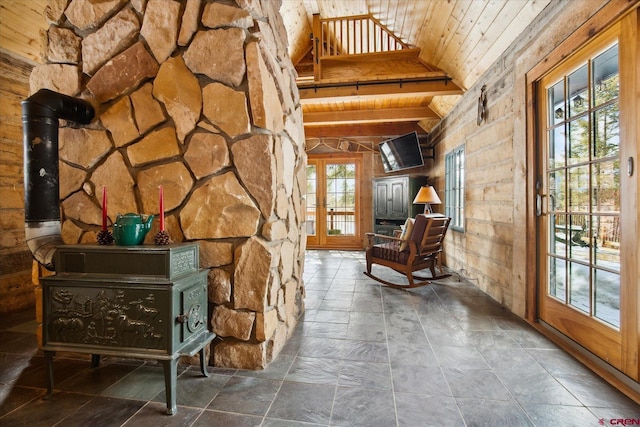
(587, 189)
(333, 206)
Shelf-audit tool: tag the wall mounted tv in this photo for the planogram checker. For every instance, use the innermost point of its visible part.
(401, 153)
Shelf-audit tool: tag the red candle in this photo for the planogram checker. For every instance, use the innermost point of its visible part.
(161, 209)
(104, 208)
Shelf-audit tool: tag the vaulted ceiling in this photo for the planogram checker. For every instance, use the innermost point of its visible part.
(458, 38)
(455, 39)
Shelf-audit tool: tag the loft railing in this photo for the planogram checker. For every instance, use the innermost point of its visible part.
(353, 35)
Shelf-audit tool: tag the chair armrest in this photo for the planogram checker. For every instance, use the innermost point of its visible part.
(370, 237)
(385, 237)
(382, 238)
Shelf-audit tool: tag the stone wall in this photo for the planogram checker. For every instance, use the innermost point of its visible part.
(198, 97)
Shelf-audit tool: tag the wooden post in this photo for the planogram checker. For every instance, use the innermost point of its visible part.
(317, 47)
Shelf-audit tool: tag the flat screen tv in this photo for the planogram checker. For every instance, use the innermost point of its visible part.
(401, 153)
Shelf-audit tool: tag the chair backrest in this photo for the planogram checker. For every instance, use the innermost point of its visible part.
(428, 232)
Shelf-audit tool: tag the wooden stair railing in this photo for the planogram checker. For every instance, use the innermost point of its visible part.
(355, 35)
(351, 36)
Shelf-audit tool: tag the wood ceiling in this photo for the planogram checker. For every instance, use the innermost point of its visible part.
(459, 39)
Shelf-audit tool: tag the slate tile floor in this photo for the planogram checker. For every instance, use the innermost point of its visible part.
(363, 355)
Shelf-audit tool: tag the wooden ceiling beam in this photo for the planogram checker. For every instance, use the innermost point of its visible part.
(323, 118)
(374, 130)
(328, 92)
(382, 97)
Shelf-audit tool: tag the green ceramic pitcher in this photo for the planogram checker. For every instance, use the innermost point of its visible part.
(130, 229)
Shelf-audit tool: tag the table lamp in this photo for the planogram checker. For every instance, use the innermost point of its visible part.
(428, 196)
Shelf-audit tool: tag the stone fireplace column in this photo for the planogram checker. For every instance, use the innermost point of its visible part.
(198, 96)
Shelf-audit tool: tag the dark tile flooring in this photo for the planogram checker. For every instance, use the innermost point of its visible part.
(363, 355)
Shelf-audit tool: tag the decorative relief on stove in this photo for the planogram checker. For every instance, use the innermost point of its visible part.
(183, 262)
(106, 317)
(194, 294)
(195, 319)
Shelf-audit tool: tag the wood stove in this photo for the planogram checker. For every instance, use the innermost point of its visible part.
(146, 302)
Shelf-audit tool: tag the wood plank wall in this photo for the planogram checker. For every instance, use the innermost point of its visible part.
(491, 251)
(23, 29)
(16, 289)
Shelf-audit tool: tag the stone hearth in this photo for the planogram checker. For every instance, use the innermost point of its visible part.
(199, 97)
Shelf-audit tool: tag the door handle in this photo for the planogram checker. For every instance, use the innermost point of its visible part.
(538, 201)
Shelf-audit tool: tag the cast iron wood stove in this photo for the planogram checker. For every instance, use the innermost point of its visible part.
(146, 302)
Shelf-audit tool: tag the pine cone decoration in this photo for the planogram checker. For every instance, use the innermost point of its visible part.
(162, 238)
(105, 237)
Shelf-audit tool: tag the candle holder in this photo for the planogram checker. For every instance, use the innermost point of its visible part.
(162, 238)
(105, 237)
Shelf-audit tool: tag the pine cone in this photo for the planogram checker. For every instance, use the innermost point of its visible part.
(105, 237)
(162, 238)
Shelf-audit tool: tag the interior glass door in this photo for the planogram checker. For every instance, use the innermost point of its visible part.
(332, 203)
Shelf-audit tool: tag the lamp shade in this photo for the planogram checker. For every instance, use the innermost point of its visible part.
(427, 194)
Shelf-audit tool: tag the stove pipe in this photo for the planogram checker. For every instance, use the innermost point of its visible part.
(40, 114)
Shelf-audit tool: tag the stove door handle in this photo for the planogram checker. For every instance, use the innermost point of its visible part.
(192, 318)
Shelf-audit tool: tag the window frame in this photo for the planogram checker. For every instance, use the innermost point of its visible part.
(454, 188)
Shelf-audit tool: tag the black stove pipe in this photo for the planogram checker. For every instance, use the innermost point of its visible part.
(40, 114)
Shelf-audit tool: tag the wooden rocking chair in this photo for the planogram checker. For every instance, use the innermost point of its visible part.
(420, 251)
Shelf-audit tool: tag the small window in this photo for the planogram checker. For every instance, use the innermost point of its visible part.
(454, 188)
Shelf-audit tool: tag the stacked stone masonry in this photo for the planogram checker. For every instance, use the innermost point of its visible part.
(198, 96)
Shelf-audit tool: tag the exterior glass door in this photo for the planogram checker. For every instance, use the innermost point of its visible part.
(581, 202)
(312, 204)
(583, 173)
(332, 203)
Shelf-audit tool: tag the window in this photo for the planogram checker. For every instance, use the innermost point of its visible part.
(454, 187)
